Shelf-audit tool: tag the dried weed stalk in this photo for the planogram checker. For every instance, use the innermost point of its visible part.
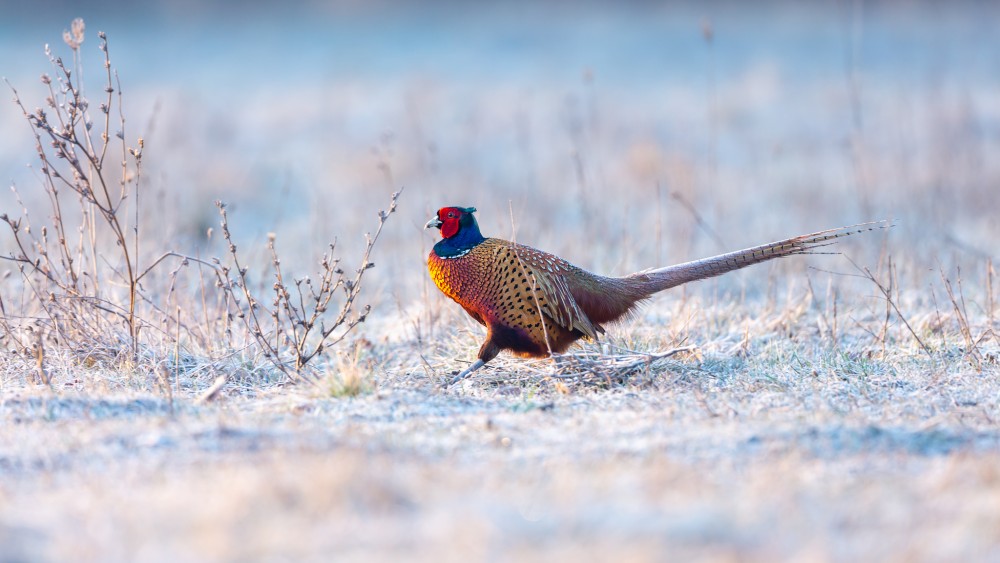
(293, 325)
(79, 285)
(887, 292)
(91, 283)
(972, 343)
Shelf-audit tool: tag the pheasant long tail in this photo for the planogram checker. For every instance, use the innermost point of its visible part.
(660, 279)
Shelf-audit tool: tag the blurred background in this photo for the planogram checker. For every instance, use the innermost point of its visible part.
(619, 136)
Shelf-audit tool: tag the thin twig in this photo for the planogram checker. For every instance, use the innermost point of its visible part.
(888, 296)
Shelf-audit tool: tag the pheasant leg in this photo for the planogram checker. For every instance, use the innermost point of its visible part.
(475, 365)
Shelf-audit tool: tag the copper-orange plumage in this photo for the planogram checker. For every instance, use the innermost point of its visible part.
(534, 303)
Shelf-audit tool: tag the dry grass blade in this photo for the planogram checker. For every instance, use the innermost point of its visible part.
(213, 391)
(887, 295)
(958, 304)
(592, 367)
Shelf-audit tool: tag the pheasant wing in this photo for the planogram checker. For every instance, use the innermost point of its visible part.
(547, 274)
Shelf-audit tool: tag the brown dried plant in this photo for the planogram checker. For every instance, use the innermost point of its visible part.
(973, 344)
(92, 284)
(82, 285)
(291, 325)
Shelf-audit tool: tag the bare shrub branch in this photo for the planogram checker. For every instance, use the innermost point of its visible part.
(302, 318)
(72, 161)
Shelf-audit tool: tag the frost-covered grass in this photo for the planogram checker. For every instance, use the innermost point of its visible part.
(792, 449)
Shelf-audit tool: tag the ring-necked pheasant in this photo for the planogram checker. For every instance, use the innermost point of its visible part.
(534, 303)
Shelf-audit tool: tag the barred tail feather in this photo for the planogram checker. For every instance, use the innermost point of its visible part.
(659, 279)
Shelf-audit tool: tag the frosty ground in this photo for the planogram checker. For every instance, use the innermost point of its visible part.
(791, 449)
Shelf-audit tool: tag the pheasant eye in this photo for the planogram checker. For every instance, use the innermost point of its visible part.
(451, 215)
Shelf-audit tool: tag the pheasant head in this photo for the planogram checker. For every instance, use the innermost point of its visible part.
(459, 230)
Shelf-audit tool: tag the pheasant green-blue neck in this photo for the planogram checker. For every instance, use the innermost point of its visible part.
(467, 238)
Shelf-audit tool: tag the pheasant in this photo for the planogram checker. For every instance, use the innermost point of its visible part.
(533, 303)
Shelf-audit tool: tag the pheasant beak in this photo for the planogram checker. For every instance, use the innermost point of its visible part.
(433, 223)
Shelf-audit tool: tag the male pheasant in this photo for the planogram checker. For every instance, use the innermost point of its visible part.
(534, 303)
